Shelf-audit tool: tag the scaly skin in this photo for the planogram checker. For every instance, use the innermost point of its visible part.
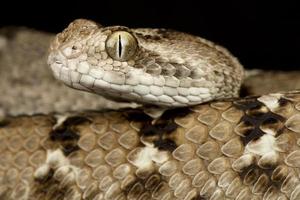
(236, 149)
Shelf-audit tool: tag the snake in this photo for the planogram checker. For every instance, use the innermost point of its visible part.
(207, 143)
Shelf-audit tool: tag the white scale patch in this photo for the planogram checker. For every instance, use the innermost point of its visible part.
(265, 144)
(65, 75)
(55, 160)
(96, 73)
(56, 67)
(67, 51)
(87, 81)
(83, 67)
(75, 76)
(271, 100)
(148, 155)
(159, 80)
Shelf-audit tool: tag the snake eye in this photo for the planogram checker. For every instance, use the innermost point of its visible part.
(121, 45)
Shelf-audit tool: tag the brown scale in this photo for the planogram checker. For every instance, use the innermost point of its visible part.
(76, 30)
(210, 151)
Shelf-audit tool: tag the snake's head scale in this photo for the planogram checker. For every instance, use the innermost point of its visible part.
(149, 66)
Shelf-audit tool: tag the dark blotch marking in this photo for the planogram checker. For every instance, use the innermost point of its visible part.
(244, 91)
(256, 111)
(251, 134)
(165, 144)
(148, 130)
(274, 124)
(270, 121)
(168, 128)
(282, 102)
(177, 112)
(158, 129)
(136, 115)
(69, 148)
(254, 117)
(4, 123)
(248, 104)
(63, 134)
(75, 120)
(256, 122)
(161, 127)
(162, 130)
(67, 133)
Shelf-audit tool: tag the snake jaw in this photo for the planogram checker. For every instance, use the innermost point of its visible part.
(167, 69)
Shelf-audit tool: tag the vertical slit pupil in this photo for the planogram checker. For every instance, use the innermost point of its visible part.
(120, 46)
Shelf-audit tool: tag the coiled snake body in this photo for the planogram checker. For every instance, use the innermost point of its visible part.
(227, 149)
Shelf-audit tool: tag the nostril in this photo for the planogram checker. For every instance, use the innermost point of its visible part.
(71, 50)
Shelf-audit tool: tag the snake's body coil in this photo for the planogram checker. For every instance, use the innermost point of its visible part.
(241, 149)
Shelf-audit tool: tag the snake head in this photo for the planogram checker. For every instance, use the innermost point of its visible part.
(150, 66)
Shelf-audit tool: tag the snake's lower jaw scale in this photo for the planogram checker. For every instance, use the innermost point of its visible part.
(238, 149)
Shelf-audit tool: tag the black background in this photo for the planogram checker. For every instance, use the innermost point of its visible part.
(261, 34)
